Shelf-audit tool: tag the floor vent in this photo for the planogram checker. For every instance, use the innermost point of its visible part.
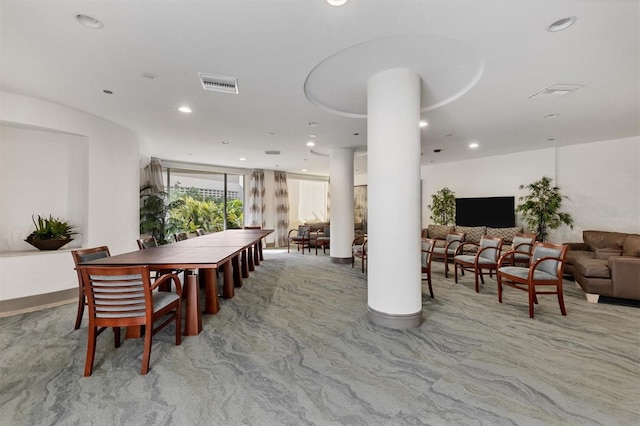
(219, 83)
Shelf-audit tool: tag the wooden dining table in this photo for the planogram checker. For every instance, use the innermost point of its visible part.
(232, 251)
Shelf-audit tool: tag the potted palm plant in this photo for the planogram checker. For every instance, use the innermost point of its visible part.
(541, 207)
(443, 207)
(51, 233)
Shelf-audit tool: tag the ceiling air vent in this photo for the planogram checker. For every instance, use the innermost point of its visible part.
(219, 83)
(272, 152)
(555, 91)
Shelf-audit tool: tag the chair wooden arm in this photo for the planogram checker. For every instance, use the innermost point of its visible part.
(517, 248)
(166, 277)
(462, 244)
(290, 231)
(486, 248)
(537, 262)
(510, 253)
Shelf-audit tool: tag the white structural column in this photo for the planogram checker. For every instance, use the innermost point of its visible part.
(341, 190)
(393, 151)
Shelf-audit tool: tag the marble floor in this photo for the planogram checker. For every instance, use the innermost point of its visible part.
(294, 347)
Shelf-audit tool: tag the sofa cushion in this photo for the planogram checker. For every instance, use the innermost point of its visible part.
(603, 239)
(593, 268)
(439, 231)
(573, 256)
(631, 245)
(473, 233)
(507, 234)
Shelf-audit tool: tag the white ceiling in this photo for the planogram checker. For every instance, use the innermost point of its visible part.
(272, 46)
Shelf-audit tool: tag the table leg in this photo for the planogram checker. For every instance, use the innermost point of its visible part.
(260, 249)
(244, 264)
(250, 258)
(256, 255)
(227, 283)
(211, 301)
(237, 273)
(193, 317)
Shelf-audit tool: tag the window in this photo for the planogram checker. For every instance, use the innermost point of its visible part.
(308, 201)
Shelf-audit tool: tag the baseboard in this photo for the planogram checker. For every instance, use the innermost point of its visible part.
(22, 305)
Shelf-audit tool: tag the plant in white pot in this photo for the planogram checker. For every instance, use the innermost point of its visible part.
(51, 233)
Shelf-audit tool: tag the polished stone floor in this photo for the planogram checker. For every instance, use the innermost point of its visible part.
(294, 347)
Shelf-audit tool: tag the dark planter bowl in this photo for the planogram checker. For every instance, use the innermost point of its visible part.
(53, 244)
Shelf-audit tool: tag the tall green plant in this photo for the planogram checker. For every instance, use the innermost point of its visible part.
(541, 207)
(443, 207)
(154, 213)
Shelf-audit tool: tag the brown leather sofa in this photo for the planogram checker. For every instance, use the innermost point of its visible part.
(606, 264)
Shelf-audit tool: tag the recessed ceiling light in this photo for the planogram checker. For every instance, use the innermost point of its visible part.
(312, 124)
(89, 21)
(423, 123)
(551, 139)
(336, 2)
(356, 134)
(304, 170)
(243, 159)
(225, 142)
(562, 24)
(473, 145)
(551, 116)
(310, 143)
(313, 135)
(108, 92)
(184, 109)
(149, 75)
(437, 150)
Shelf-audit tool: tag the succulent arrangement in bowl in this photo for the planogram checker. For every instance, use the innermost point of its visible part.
(51, 233)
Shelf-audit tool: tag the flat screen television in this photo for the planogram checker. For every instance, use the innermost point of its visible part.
(495, 212)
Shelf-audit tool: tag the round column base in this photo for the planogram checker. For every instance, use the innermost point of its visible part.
(395, 321)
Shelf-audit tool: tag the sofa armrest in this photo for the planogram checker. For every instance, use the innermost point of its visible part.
(577, 246)
(625, 275)
(606, 253)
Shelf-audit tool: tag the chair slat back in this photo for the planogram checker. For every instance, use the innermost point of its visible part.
(494, 244)
(145, 243)
(180, 236)
(118, 293)
(454, 239)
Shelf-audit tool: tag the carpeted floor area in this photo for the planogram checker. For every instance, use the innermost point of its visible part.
(294, 347)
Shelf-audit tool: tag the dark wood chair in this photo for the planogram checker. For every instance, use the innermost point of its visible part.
(547, 263)
(522, 245)
(199, 232)
(426, 249)
(446, 253)
(180, 236)
(124, 297)
(485, 258)
(85, 255)
(301, 238)
(323, 240)
(359, 250)
(145, 243)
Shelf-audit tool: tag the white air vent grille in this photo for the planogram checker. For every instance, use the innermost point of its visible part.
(555, 91)
(272, 152)
(219, 83)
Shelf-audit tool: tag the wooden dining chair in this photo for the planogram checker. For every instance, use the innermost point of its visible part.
(124, 297)
(145, 243)
(547, 263)
(359, 250)
(180, 236)
(199, 232)
(79, 256)
(446, 253)
(485, 258)
(426, 252)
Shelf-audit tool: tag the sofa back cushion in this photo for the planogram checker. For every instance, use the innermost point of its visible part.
(439, 231)
(507, 234)
(631, 245)
(473, 233)
(603, 239)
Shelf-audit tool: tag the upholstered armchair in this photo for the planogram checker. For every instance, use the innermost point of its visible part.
(485, 258)
(447, 252)
(301, 238)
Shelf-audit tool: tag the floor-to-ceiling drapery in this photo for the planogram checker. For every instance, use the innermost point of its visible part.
(281, 203)
(255, 206)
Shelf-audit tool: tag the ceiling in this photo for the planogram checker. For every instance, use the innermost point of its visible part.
(303, 61)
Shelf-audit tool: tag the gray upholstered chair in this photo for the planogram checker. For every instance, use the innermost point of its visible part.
(124, 297)
(547, 263)
(85, 255)
(426, 255)
(522, 246)
(323, 239)
(301, 238)
(447, 252)
(486, 257)
(359, 250)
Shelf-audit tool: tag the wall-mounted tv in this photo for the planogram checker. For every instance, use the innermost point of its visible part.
(496, 212)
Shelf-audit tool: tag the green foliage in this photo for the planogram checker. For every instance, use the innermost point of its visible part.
(541, 207)
(205, 213)
(50, 228)
(154, 213)
(443, 207)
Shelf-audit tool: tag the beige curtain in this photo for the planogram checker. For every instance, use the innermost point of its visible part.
(281, 203)
(256, 207)
(154, 175)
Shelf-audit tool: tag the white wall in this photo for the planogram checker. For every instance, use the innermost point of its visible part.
(601, 179)
(108, 213)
